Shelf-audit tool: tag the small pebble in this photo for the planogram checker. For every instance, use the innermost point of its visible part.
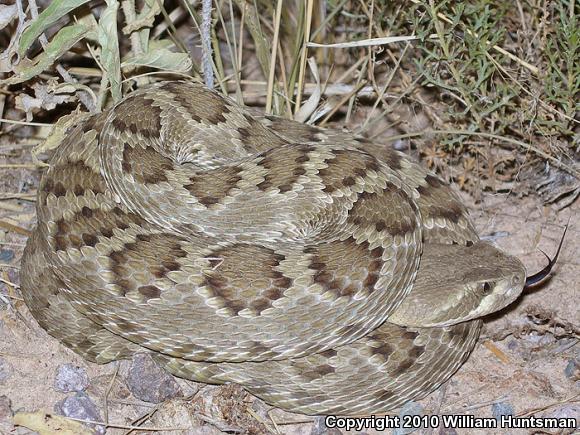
(512, 344)
(81, 406)
(5, 408)
(70, 378)
(500, 409)
(572, 370)
(5, 370)
(6, 255)
(401, 145)
(149, 382)
(320, 428)
(565, 411)
(408, 409)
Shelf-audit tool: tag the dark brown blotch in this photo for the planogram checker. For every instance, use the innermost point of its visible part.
(89, 239)
(437, 200)
(127, 326)
(329, 353)
(317, 372)
(149, 292)
(77, 175)
(342, 274)
(384, 350)
(153, 256)
(256, 137)
(383, 395)
(139, 115)
(403, 366)
(416, 351)
(202, 105)
(145, 164)
(257, 288)
(211, 186)
(389, 210)
(344, 166)
(459, 332)
(284, 166)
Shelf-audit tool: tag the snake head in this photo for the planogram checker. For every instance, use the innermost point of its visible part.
(458, 283)
(494, 285)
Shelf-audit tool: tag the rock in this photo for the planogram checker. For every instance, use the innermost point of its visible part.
(408, 409)
(5, 370)
(149, 382)
(500, 409)
(5, 408)
(6, 255)
(565, 411)
(81, 406)
(70, 378)
(572, 370)
(320, 428)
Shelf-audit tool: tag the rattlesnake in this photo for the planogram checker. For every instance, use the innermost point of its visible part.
(325, 273)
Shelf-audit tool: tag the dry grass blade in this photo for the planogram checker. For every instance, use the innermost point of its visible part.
(370, 42)
(304, 55)
(273, 56)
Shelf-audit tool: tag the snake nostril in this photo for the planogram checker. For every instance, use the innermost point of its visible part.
(486, 287)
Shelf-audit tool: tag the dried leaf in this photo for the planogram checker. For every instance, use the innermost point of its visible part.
(110, 58)
(54, 12)
(160, 57)
(59, 131)
(146, 17)
(7, 14)
(50, 424)
(44, 99)
(60, 44)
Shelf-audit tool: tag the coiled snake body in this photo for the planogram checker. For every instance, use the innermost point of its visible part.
(325, 273)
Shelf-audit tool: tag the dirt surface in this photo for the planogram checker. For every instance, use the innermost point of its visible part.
(527, 362)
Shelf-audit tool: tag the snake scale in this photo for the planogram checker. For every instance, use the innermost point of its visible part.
(324, 273)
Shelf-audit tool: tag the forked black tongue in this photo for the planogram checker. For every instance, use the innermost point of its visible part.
(539, 276)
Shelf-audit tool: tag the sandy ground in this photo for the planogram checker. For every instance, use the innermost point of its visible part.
(532, 367)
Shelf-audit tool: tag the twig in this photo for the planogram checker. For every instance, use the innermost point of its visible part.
(206, 43)
(15, 228)
(124, 426)
(109, 388)
(27, 196)
(11, 284)
(19, 166)
(571, 399)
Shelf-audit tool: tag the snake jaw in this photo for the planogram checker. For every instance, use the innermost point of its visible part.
(503, 292)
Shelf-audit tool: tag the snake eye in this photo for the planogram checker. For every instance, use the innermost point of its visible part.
(486, 287)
